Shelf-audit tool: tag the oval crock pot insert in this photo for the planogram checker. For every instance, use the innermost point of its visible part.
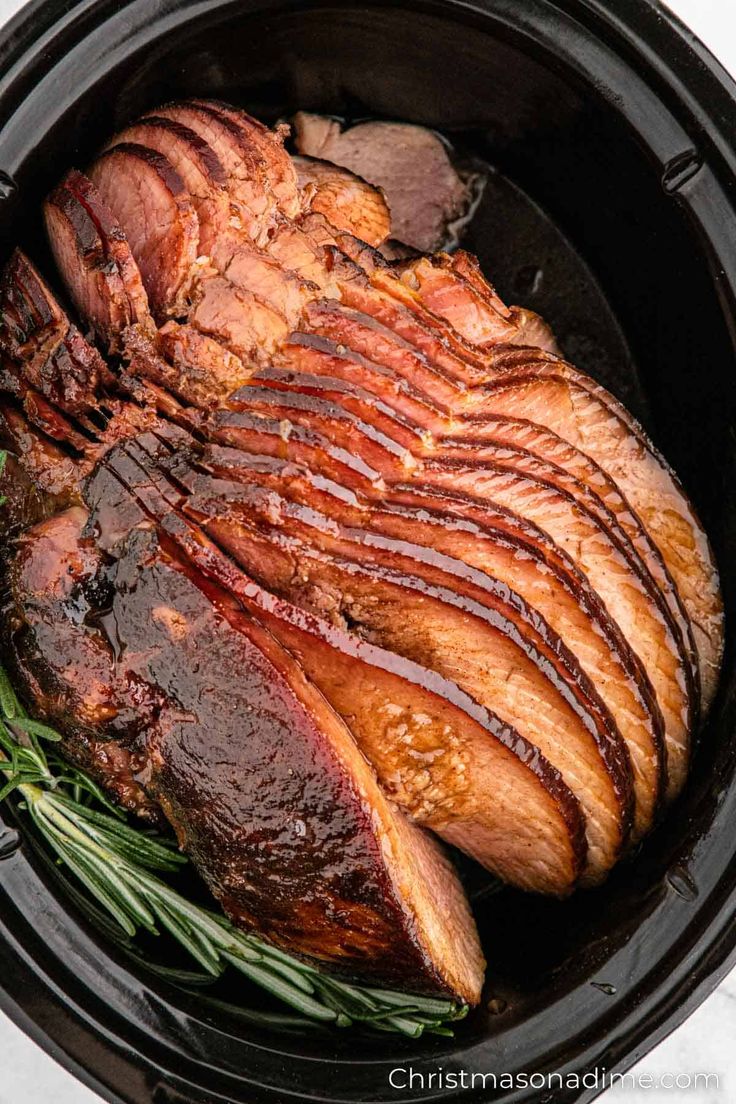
(610, 212)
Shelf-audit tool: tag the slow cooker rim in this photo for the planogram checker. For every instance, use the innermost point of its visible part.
(20, 37)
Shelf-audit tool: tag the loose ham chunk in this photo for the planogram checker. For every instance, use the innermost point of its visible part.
(411, 164)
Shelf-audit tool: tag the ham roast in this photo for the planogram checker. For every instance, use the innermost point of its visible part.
(324, 558)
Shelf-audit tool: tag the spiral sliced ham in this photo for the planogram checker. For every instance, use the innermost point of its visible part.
(338, 554)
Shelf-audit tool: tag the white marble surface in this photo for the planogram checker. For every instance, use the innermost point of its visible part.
(706, 1043)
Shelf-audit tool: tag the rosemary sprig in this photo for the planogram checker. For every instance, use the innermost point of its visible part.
(118, 864)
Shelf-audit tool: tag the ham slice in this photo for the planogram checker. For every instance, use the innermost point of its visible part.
(148, 198)
(467, 287)
(96, 288)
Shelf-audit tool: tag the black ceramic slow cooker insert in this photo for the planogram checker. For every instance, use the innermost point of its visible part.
(612, 211)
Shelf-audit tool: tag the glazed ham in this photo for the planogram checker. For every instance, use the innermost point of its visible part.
(324, 558)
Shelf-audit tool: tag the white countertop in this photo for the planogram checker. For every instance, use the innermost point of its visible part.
(706, 1043)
